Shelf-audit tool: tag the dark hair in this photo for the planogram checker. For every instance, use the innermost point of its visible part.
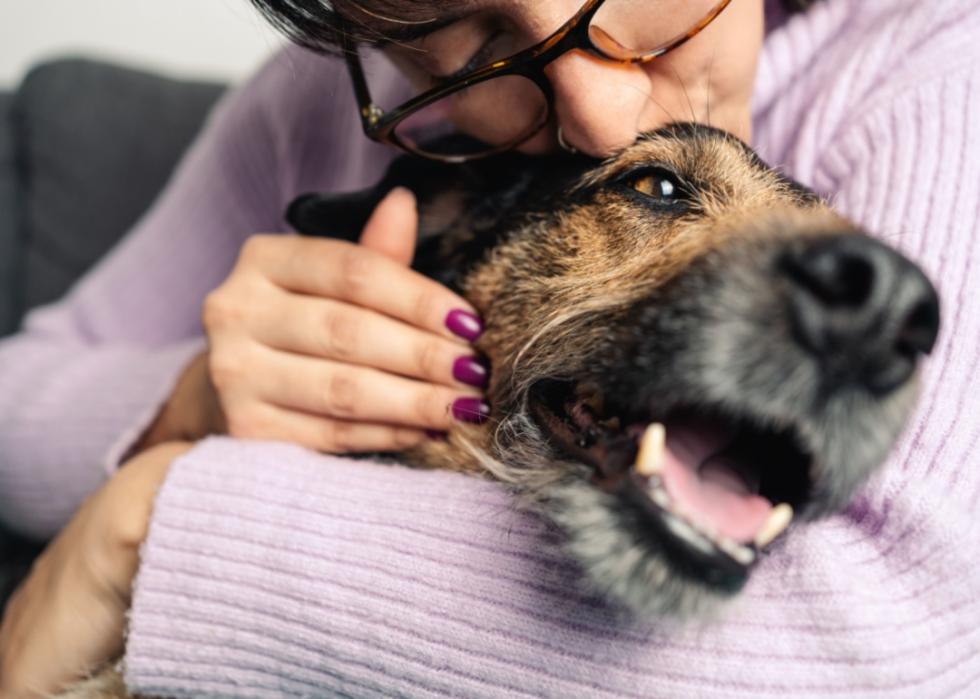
(311, 23)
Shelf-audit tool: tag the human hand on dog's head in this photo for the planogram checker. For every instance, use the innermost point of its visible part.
(336, 345)
(67, 618)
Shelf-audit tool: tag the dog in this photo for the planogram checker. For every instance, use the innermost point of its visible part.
(688, 349)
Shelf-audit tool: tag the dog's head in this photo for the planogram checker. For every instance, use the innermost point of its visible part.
(686, 348)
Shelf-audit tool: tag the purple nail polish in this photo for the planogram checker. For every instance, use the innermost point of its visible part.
(435, 435)
(471, 371)
(471, 410)
(464, 324)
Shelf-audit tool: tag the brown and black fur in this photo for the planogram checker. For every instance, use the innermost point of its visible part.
(601, 298)
(590, 287)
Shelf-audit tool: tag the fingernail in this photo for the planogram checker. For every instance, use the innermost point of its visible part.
(471, 410)
(403, 190)
(472, 371)
(435, 435)
(464, 324)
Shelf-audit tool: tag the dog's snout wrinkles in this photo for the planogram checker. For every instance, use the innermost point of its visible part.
(862, 309)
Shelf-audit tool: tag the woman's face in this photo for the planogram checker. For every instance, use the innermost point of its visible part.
(600, 105)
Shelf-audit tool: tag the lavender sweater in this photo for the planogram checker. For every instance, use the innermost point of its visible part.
(274, 571)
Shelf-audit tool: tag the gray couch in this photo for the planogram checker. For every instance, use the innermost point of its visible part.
(84, 149)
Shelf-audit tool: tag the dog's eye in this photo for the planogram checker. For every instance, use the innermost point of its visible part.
(657, 184)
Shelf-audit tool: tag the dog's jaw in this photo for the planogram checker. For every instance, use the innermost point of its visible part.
(618, 562)
(605, 535)
(665, 305)
(622, 565)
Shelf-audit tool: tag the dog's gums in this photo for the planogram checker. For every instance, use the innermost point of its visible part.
(689, 351)
(707, 486)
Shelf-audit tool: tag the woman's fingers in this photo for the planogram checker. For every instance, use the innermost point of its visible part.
(393, 227)
(328, 434)
(363, 277)
(347, 392)
(349, 334)
(340, 346)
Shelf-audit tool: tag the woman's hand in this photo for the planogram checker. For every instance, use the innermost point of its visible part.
(334, 346)
(67, 618)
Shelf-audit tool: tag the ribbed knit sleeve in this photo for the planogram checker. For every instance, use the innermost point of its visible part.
(275, 572)
(87, 375)
(270, 571)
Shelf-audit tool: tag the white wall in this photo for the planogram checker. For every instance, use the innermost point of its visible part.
(222, 39)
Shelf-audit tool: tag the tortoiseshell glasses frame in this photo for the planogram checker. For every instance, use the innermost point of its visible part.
(529, 63)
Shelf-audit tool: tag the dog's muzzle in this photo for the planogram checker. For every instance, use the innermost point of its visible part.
(769, 380)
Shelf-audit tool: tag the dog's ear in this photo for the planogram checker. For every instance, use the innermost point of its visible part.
(433, 182)
(460, 206)
(441, 190)
(340, 216)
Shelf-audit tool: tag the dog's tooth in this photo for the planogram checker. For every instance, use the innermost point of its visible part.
(706, 528)
(742, 554)
(659, 496)
(684, 530)
(678, 509)
(779, 519)
(650, 458)
(709, 529)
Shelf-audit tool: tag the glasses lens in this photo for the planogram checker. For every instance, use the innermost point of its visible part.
(628, 29)
(485, 118)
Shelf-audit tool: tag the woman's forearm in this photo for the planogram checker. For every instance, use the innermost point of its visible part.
(68, 616)
(89, 376)
(283, 571)
(68, 414)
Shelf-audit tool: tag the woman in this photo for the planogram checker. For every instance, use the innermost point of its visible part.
(273, 568)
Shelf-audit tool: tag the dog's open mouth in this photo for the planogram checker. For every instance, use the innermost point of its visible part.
(714, 486)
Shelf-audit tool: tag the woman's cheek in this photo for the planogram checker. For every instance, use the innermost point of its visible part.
(710, 79)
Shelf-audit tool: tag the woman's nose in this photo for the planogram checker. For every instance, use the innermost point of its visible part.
(599, 105)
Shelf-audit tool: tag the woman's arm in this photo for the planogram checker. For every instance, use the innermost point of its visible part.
(87, 376)
(68, 617)
(278, 572)
(274, 571)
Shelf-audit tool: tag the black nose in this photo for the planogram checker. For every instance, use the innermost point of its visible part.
(862, 309)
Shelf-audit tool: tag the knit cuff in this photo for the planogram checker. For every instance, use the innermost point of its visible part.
(270, 570)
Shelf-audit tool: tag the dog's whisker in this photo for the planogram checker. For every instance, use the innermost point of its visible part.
(707, 89)
(649, 97)
(687, 95)
(548, 330)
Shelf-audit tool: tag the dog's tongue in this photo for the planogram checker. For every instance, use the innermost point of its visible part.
(708, 484)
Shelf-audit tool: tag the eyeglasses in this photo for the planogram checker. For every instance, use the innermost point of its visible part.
(509, 99)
